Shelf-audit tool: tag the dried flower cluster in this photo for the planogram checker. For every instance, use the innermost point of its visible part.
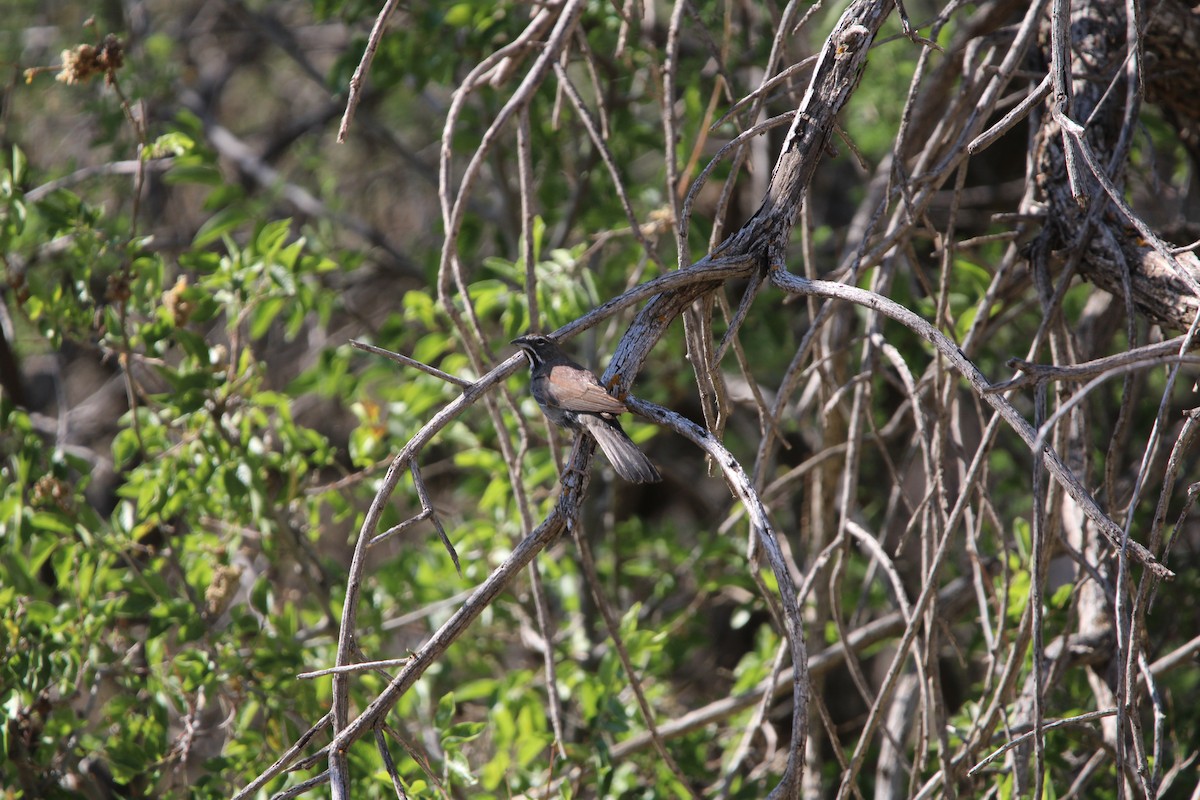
(87, 60)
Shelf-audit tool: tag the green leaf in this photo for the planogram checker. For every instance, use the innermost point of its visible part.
(175, 143)
(52, 522)
(125, 448)
(18, 165)
(463, 732)
(271, 238)
(445, 711)
(192, 668)
(264, 314)
(260, 596)
(219, 224)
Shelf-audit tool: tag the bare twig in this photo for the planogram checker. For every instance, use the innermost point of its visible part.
(354, 96)
(410, 362)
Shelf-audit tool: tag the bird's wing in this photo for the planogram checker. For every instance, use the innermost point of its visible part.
(578, 390)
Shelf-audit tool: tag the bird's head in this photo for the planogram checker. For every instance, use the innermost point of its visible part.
(537, 347)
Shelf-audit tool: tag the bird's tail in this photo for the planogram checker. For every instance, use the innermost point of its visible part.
(629, 462)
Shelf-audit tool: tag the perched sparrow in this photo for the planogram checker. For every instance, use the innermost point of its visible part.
(572, 398)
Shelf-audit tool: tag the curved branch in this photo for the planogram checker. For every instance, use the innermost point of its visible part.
(741, 486)
(794, 284)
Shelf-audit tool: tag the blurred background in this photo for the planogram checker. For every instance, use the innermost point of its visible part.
(188, 443)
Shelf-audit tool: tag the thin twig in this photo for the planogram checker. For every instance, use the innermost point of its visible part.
(410, 362)
(354, 97)
(1057, 723)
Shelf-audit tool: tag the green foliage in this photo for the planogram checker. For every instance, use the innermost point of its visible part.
(117, 625)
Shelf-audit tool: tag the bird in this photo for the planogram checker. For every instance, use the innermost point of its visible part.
(572, 398)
